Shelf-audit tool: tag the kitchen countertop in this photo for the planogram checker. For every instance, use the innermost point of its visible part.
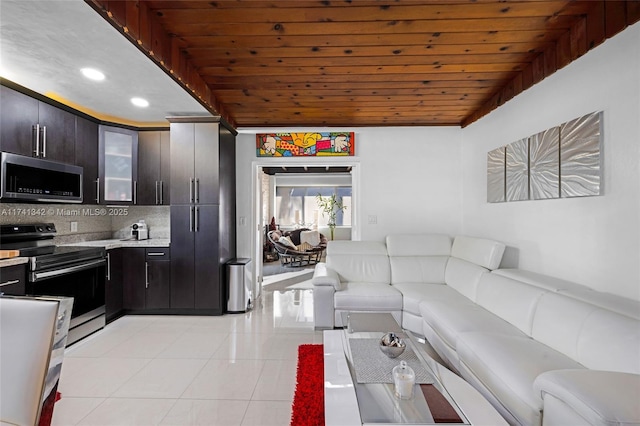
(115, 243)
(13, 261)
(107, 244)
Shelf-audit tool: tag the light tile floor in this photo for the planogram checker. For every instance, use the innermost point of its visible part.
(236, 369)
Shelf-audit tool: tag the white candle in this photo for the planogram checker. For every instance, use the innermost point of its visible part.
(404, 385)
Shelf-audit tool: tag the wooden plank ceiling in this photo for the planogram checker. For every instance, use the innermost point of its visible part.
(362, 62)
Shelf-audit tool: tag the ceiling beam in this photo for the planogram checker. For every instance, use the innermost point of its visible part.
(142, 28)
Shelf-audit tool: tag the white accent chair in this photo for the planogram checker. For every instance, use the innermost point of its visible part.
(27, 336)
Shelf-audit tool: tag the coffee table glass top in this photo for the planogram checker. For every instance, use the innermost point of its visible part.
(376, 401)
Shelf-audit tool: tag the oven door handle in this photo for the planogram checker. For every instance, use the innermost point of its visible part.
(36, 276)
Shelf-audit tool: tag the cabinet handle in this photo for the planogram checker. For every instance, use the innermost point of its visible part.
(44, 141)
(146, 274)
(108, 266)
(98, 191)
(197, 190)
(135, 192)
(161, 192)
(157, 192)
(191, 219)
(36, 132)
(156, 254)
(9, 282)
(191, 190)
(196, 215)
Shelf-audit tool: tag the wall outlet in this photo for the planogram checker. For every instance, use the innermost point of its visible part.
(373, 219)
(74, 226)
(243, 221)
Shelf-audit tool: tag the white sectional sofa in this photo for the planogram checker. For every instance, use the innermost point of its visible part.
(541, 350)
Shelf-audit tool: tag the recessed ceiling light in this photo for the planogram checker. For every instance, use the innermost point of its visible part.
(139, 102)
(92, 74)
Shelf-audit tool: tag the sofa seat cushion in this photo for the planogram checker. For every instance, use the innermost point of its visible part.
(455, 314)
(414, 293)
(369, 297)
(507, 366)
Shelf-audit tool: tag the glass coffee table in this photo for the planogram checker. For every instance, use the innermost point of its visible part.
(359, 389)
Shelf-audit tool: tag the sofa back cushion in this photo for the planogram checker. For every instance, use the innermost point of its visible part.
(595, 337)
(538, 280)
(463, 276)
(482, 252)
(359, 261)
(608, 301)
(610, 341)
(513, 301)
(418, 258)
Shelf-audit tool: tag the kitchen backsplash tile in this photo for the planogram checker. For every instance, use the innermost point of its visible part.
(156, 217)
(93, 222)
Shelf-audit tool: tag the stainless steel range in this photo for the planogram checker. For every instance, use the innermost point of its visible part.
(72, 271)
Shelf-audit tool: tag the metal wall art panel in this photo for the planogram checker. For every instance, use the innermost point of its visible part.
(544, 164)
(580, 143)
(517, 170)
(496, 176)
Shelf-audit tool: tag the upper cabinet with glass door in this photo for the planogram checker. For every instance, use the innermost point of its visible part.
(118, 165)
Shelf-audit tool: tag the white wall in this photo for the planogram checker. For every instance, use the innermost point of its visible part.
(433, 179)
(594, 241)
(409, 178)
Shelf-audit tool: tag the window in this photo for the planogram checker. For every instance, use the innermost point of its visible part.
(297, 206)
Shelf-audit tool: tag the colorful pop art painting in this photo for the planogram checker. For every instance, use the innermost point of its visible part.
(305, 144)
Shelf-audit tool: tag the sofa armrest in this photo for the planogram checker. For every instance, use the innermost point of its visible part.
(325, 281)
(324, 276)
(599, 397)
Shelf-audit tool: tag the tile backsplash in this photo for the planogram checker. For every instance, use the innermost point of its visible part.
(94, 222)
(156, 217)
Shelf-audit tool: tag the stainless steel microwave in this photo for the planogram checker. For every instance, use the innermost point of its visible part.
(30, 179)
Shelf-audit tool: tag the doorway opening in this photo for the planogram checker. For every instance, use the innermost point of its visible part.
(285, 198)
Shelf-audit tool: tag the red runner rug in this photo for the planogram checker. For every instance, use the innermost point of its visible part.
(308, 399)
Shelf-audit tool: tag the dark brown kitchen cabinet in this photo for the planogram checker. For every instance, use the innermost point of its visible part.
(133, 267)
(118, 164)
(58, 138)
(183, 257)
(194, 160)
(114, 285)
(13, 280)
(19, 114)
(195, 267)
(158, 278)
(87, 156)
(201, 150)
(34, 128)
(147, 274)
(153, 168)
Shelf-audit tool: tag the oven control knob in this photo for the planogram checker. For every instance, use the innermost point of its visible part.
(50, 228)
(39, 229)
